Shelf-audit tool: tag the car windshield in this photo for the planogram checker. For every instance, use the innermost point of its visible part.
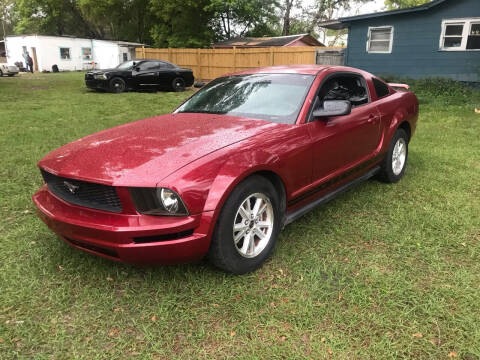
(126, 65)
(272, 97)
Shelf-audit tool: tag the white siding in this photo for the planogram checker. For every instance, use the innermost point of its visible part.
(106, 54)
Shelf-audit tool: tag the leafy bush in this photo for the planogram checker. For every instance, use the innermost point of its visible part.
(440, 90)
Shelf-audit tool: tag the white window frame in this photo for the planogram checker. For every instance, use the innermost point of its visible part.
(467, 27)
(370, 28)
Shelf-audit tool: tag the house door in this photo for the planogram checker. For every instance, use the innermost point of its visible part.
(34, 57)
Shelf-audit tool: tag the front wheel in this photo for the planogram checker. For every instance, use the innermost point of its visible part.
(117, 85)
(394, 164)
(1, 73)
(247, 227)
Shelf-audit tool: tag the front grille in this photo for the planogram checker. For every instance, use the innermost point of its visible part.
(83, 193)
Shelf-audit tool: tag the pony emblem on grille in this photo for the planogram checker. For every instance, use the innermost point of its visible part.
(70, 187)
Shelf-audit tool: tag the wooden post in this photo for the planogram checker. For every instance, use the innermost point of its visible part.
(272, 56)
(234, 58)
(199, 66)
(170, 55)
(143, 52)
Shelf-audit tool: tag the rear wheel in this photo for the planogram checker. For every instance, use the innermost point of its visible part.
(178, 84)
(394, 164)
(247, 227)
(117, 85)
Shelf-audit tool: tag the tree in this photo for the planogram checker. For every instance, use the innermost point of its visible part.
(287, 8)
(324, 10)
(119, 19)
(102, 19)
(7, 17)
(182, 23)
(52, 17)
(233, 18)
(400, 4)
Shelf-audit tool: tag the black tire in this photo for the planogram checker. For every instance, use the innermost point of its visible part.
(117, 85)
(223, 252)
(178, 84)
(1, 73)
(387, 173)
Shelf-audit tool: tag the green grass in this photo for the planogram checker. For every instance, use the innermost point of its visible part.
(354, 279)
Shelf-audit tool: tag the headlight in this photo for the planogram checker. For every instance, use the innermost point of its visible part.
(158, 201)
(101, 76)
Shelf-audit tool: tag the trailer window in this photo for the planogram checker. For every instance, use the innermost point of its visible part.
(65, 53)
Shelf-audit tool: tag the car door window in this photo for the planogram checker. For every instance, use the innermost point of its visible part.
(344, 87)
(148, 66)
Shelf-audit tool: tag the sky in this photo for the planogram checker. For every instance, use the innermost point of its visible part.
(372, 6)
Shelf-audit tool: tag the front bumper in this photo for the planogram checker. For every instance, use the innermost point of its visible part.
(130, 238)
(97, 84)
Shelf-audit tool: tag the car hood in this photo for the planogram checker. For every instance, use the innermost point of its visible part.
(142, 153)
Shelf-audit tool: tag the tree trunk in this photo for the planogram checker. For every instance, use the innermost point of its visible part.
(286, 17)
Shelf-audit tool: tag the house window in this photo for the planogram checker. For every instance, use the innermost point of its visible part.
(65, 53)
(87, 53)
(380, 40)
(460, 35)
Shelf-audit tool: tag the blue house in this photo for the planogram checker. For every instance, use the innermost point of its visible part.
(438, 39)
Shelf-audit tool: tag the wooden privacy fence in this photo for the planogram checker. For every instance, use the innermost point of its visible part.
(331, 57)
(207, 64)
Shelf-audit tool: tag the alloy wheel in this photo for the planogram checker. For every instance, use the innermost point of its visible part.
(399, 156)
(253, 225)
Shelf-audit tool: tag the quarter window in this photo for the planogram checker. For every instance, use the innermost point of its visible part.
(380, 40)
(65, 53)
(460, 35)
(381, 89)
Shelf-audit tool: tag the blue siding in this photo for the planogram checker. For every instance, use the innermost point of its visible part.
(416, 40)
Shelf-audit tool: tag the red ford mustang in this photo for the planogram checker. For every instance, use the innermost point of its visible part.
(221, 175)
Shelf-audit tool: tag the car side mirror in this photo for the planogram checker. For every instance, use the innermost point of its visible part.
(137, 69)
(333, 108)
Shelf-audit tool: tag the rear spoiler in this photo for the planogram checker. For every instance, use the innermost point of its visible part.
(399, 86)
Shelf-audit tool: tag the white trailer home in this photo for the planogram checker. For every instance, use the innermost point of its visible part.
(68, 52)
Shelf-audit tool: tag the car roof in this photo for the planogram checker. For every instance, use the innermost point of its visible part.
(295, 69)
